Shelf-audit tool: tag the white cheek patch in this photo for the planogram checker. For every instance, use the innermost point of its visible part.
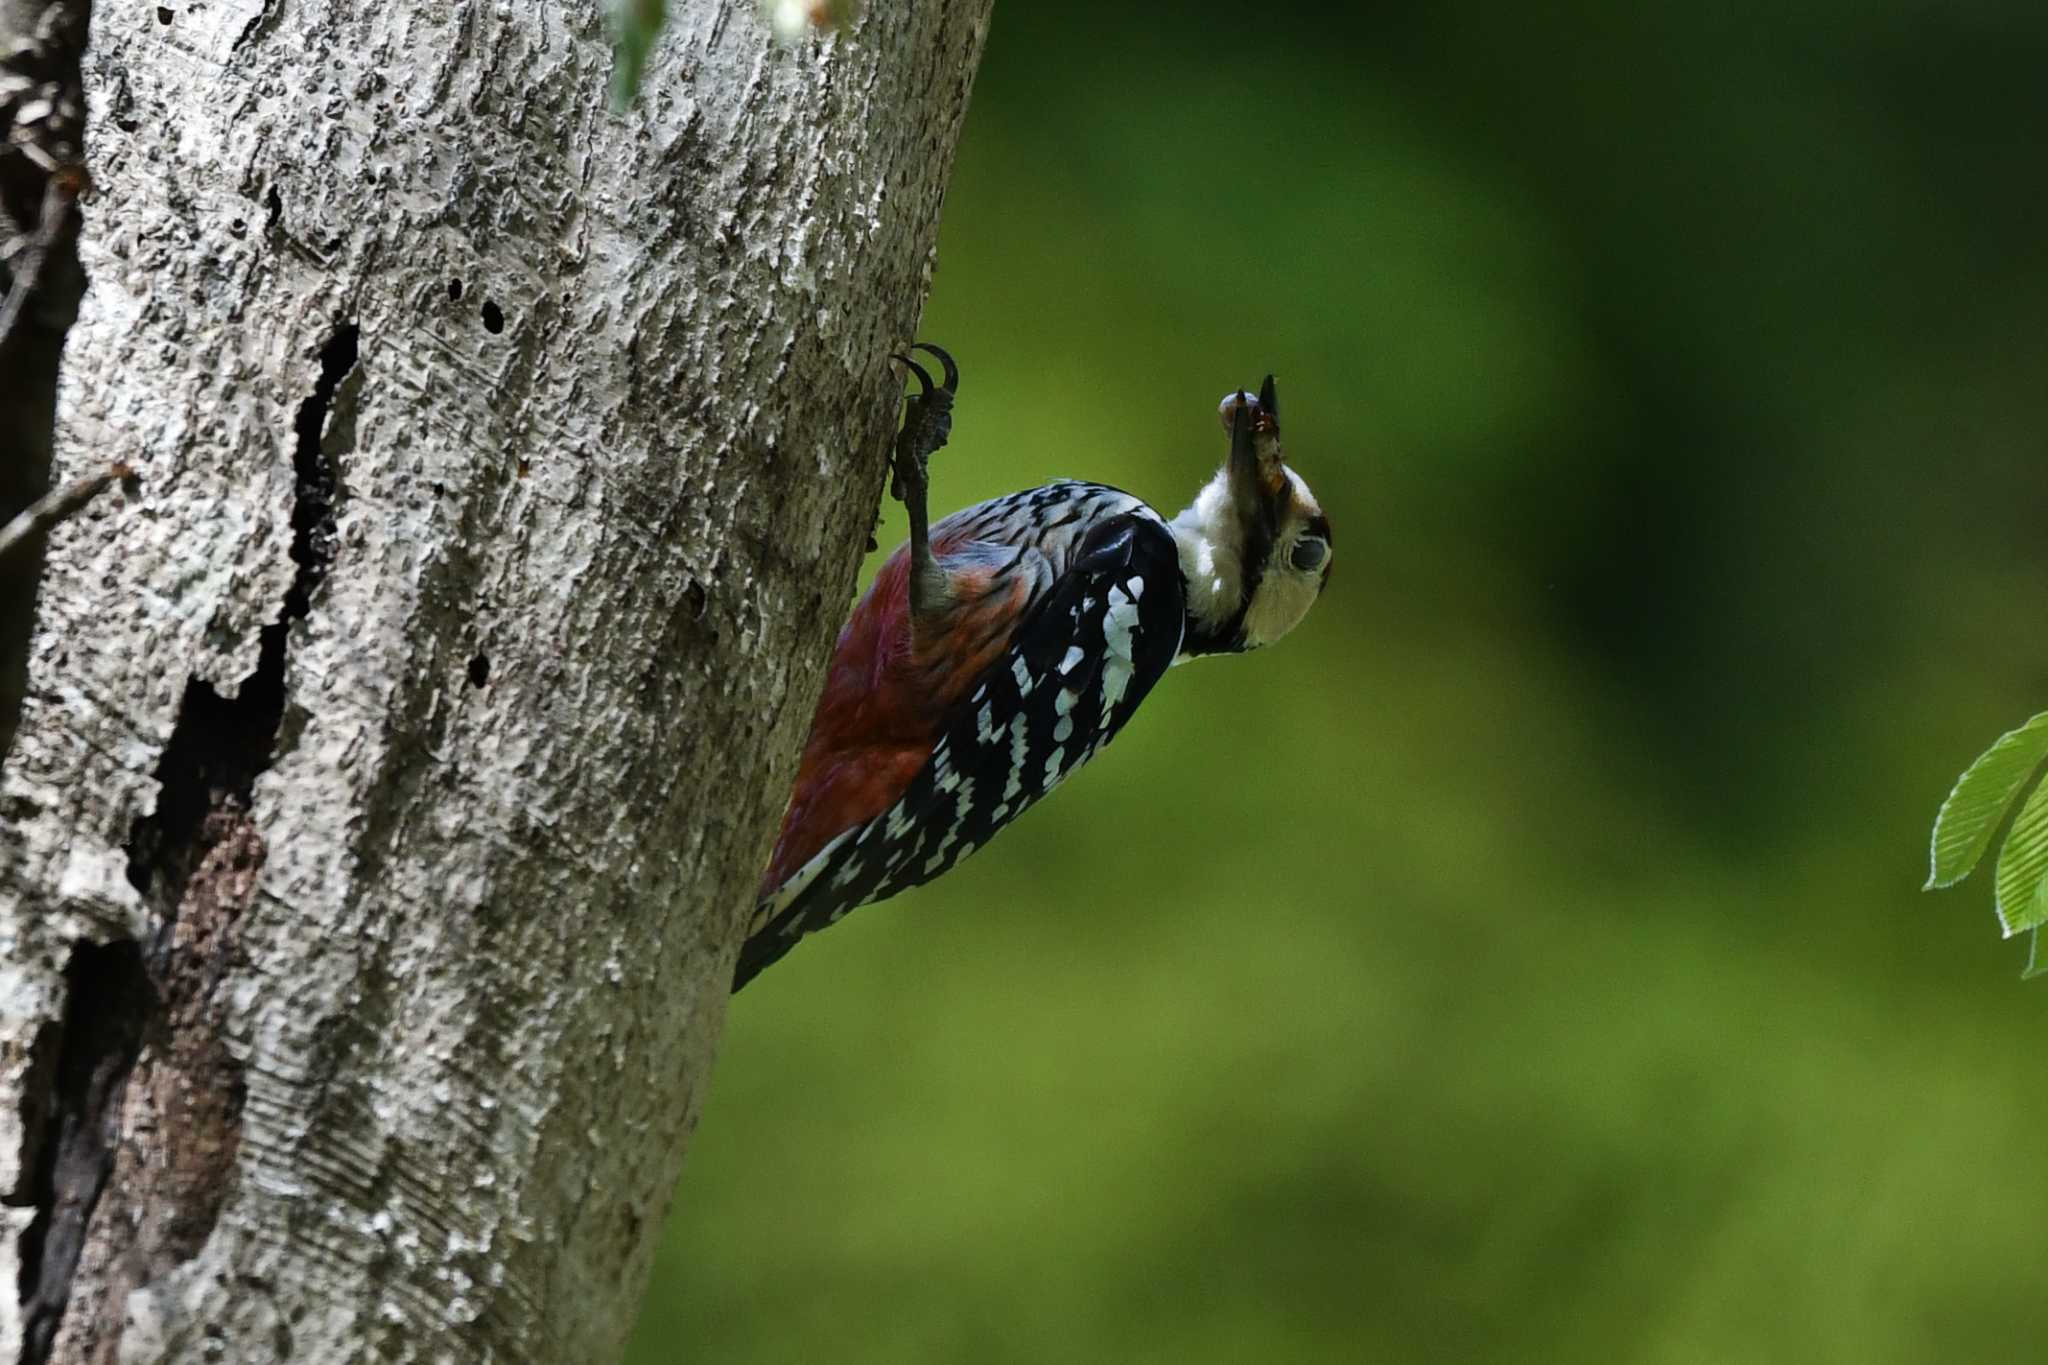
(1285, 593)
(1279, 605)
(1283, 598)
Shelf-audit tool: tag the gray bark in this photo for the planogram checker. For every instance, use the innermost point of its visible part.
(400, 750)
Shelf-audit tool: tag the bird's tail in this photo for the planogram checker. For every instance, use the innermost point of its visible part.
(761, 951)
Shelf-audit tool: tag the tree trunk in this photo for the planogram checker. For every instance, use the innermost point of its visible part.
(399, 755)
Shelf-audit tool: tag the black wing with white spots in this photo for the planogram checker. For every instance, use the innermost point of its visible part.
(1089, 651)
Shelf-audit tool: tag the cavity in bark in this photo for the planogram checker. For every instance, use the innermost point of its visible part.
(142, 1116)
(313, 508)
(107, 1004)
(220, 745)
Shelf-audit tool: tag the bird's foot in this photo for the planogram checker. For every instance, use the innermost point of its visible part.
(927, 422)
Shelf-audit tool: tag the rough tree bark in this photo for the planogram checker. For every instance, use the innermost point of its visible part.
(399, 753)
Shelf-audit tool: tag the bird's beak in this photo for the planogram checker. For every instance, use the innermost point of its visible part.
(1246, 485)
(1258, 469)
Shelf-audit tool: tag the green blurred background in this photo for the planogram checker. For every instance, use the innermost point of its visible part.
(1526, 960)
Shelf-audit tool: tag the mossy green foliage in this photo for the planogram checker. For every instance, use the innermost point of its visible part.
(1524, 961)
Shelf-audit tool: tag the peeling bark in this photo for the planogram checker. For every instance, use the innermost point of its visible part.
(398, 753)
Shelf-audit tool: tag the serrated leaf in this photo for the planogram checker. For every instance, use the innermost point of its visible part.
(2021, 865)
(1981, 797)
(2036, 964)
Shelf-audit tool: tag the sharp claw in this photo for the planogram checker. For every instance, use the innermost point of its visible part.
(927, 421)
(952, 383)
(924, 376)
(1270, 401)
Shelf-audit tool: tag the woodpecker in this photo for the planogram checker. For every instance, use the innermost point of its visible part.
(1000, 648)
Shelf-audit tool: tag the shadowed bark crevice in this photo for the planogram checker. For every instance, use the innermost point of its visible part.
(143, 1123)
(174, 1122)
(317, 486)
(107, 1001)
(220, 745)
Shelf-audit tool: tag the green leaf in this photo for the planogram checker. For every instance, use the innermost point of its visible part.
(1973, 810)
(635, 24)
(2036, 966)
(2022, 863)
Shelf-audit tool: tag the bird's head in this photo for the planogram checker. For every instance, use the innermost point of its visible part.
(1254, 544)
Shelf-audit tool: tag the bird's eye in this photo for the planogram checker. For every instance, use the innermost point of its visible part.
(1308, 553)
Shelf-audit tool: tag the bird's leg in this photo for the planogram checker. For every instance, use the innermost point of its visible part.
(926, 425)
